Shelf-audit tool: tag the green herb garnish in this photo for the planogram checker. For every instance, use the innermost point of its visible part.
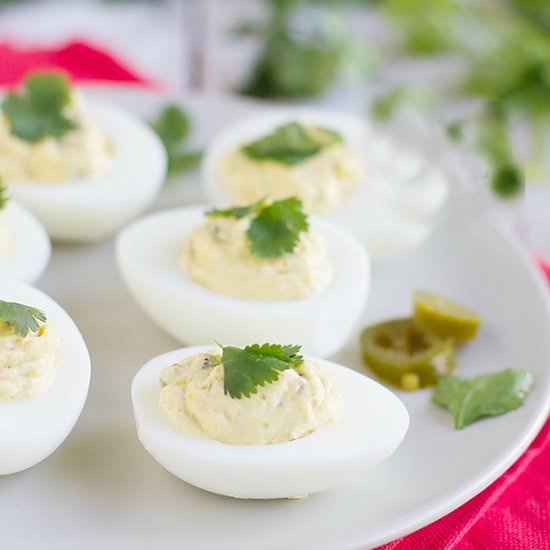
(275, 228)
(20, 318)
(291, 144)
(297, 60)
(184, 161)
(173, 127)
(488, 395)
(508, 74)
(402, 98)
(238, 212)
(37, 111)
(507, 181)
(257, 365)
(455, 131)
(3, 195)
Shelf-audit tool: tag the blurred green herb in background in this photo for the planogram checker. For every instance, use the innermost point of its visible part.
(301, 56)
(402, 98)
(506, 49)
(173, 127)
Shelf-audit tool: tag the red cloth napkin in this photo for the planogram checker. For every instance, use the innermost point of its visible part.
(80, 60)
(511, 514)
(545, 266)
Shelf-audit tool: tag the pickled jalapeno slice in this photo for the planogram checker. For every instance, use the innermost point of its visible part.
(406, 355)
(445, 318)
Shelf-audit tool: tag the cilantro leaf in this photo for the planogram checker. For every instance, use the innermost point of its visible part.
(402, 98)
(276, 229)
(290, 144)
(295, 64)
(181, 162)
(22, 319)
(246, 369)
(238, 212)
(507, 181)
(173, 127)
(455, 131)
(37, 112)
(487, 395)
(328, 137)
(3, 195)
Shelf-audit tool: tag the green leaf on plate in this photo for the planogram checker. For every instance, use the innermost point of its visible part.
(469, 399)
(173, 127)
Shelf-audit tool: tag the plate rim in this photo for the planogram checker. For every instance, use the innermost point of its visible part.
(445, 505)
(431, 513)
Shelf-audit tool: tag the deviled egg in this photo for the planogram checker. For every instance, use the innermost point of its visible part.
(44, 376)
(255, 272)
(338, 165)
(24, 245)
(263, 422)
(82, 167)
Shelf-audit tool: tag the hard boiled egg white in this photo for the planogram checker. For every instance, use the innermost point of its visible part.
(92, 208)
(391, 210)
(32, 429)
(29, 243)
(374, 424)
(147, 256)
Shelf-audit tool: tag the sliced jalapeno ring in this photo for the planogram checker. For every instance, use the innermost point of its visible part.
(406, 355)
(445, 318)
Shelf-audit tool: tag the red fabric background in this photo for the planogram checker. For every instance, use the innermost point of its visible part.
(511, 514)
(79, 59)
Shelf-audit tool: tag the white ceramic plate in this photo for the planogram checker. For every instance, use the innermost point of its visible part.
(31, 246)
(101, 489)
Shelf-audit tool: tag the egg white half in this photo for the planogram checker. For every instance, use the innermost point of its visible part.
(31, 246)
(31, 429)
(89, 209)
(373, 426)
(147, 257)
(393, 208)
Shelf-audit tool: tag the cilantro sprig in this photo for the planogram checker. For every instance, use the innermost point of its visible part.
(291, 144)
(20, 318)
(244, 369)
(37, 111)
(173, 127)
(3, 195)
(275, 228)
(237, 212)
